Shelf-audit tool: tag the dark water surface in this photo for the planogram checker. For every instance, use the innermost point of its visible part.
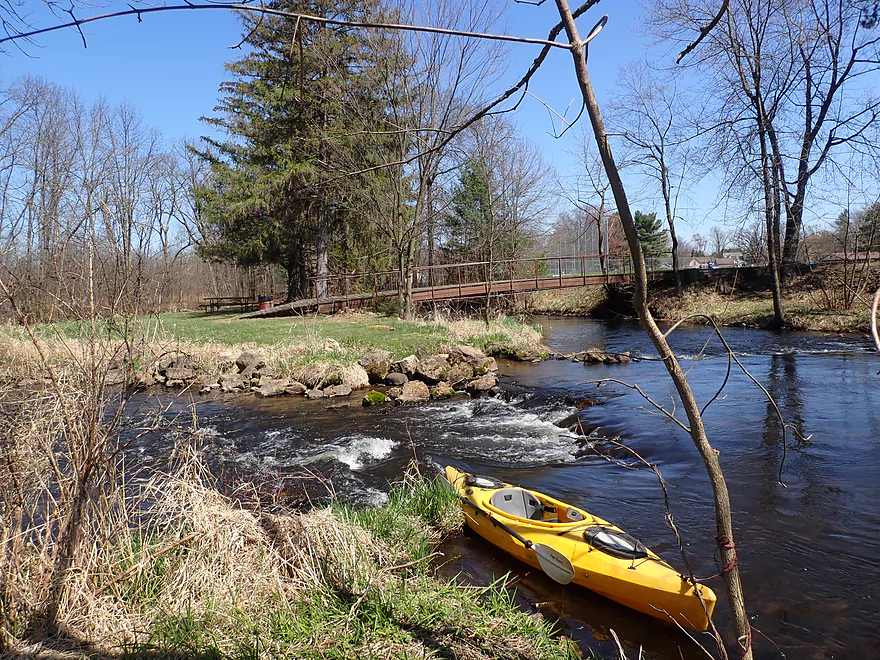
(809, 550)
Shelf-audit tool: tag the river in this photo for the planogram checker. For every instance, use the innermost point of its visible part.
(809, 550)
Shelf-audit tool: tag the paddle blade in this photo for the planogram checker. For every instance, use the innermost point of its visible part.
(554, 563)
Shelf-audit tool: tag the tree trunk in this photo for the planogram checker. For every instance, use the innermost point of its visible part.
(723, 518)
(322, 256)
(670, 220)
(772, 209)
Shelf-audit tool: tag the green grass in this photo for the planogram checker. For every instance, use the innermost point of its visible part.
(371, 593)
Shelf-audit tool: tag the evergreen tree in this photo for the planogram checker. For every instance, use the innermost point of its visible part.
(651, 235)
(292, 113)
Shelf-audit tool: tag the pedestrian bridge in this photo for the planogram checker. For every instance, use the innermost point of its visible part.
(462, 281)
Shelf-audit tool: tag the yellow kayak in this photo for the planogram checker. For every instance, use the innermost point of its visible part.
(571, 545)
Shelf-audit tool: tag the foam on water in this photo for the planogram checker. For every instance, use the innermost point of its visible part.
(507, 431)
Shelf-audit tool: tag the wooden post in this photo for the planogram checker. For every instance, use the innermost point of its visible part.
(559, 266)
(486, 276)
(431, 280)
(536, 274)
(459, 280)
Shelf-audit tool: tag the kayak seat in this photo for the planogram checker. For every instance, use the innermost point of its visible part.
(518, 502)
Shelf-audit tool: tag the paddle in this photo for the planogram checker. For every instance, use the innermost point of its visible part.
(555, 564)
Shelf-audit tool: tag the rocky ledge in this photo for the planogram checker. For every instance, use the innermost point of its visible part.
(461, 370)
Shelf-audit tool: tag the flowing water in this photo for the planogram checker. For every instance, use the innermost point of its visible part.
(809, 549)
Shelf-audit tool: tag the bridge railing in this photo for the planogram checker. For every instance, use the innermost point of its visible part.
(469, 273)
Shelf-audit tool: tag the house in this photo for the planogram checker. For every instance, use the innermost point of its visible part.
(710, 262)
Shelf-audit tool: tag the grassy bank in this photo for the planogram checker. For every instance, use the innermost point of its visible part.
(807, 303)
(203, 577)
(294, 344)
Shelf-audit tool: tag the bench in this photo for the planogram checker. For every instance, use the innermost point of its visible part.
(218, 303)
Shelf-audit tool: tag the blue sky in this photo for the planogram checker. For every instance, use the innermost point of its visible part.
(170, 66)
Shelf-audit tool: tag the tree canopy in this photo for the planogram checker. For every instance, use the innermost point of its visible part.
(651, 234)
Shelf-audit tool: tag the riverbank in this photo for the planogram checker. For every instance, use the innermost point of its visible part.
(187, 564)
(810, 303)
(185, 571)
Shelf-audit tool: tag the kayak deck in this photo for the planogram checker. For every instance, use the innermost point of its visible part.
(605, 559)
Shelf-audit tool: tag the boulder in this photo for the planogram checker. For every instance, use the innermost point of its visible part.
(249, 359)
(482, 384)
(394, 392)
(459, 372)
(233, 382)
(398, 380)
(374, 397)
(171, 382)
(144, 379)
(356, 376)
(442, 390)
(330, 345)
(314, 394)
(377, 363)
(433, 368)
(407, 366)
(333, 376)
(250, 372)
(295, 387)
(415, 391)
(272, 387)
(474, 357)
(114, 377)
(185, 372)
(337, 390)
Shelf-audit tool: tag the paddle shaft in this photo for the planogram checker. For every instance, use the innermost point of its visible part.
(497, 523)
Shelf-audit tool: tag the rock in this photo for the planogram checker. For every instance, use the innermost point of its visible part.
(180, 373)
(482, 384)
(394, 392)
(233, 382)
(164, 362)
(337, 390)
(356, 376)
(396, 379)
(442, 390)
(272, 387)
(330, 345)
(592, 355)
(334, 376)
(407, 366)
(624, 358)
(295, 387)
(115, 377)
(433, 368)
(495, 391)
(171, 382)
(458, 373)
(144, 379)
(377, 363)
(250, 372)
(520, 353)
(474, 357)
(249, 359)
(415, 391)
(374, 397)
(314, 394)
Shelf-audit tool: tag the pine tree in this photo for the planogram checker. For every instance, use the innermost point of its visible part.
(292, 114)
(651, 235)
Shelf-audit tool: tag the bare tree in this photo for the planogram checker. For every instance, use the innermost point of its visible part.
(723, 517)
(650, 115)
(719, 240)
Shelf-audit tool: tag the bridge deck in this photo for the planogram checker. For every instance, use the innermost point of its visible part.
(444, 292)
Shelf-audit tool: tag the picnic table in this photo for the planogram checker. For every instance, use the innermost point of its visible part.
(217, 303)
